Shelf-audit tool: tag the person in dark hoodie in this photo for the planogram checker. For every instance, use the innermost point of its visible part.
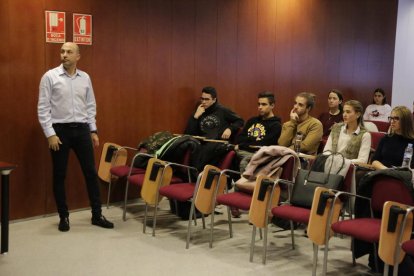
(212, 121)
(262, 130)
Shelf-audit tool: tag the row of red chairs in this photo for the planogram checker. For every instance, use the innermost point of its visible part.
(211, 184)
(323, 221)
(113, 166)
(366, 229)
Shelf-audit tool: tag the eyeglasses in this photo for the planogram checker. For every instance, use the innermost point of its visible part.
(396, 118)
(205, 99)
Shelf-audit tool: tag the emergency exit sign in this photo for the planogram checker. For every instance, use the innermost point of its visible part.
(55, 26)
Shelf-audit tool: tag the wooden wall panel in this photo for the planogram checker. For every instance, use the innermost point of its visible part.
(27, 143)
(206, 45)
(5, 86)
(5, 80)
(133, 102)
(247, 52)
(347, 46)
(150, 59)
(227, 45)
(266, 35)
(159, 62)
(283, 57)
(184, 93)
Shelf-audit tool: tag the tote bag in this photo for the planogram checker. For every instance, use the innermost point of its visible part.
(307, 180)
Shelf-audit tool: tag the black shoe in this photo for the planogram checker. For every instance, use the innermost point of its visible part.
(64, 225)
(102, 222)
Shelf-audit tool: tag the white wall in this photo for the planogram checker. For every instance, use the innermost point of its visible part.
(403, 78)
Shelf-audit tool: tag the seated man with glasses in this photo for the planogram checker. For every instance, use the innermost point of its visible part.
(390, 150)
(212, 121)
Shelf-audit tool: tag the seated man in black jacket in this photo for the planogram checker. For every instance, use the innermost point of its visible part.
(213, 121)
(262, 130)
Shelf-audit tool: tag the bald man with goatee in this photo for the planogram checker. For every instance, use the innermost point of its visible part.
(66, 112)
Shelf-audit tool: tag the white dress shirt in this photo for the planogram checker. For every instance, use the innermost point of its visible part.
(65, 99)
(343, 140)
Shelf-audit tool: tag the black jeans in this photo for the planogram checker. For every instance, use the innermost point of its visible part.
(75, 136)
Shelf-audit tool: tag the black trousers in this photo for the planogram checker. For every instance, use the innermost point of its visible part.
(75, 136)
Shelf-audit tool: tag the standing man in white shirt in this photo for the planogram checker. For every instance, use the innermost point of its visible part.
(66, 111)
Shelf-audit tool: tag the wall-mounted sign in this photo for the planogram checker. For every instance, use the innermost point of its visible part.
(55, 26)
(82, 28)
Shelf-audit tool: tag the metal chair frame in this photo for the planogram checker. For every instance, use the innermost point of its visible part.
(213, 204)
(328, 231)
(127, 182)
(399, 243)
(154, 222)
(267, 212)
(225, 172)
(328, 227)
(113, 161)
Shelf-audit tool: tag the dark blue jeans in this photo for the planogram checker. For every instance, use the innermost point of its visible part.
(75, 136)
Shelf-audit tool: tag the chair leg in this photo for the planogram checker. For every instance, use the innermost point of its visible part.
(395, 269)
(189, 224)
(203, 220)
(125, 200)
(264, 245)
(109, 191)
(252, 243)
(144, 226)
(213, 208)
(376, 257)
(195, 218)
(260, 233)
(352, 250)
(154, 219)
(292, 234)
(211, 229)
(315, 259)
(229, 220)
(325, 258)
(386, 268)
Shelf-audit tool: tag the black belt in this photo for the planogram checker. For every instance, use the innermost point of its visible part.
(71, 124)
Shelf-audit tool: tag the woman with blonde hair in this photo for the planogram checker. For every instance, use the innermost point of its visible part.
(390, 150)
(350, 137)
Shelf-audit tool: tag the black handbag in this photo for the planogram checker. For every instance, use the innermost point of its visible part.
(307, 180)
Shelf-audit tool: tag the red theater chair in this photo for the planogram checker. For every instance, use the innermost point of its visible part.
(323, 209)
(242, 199)
(298, 214)
(382, 126)
(184, 192)
(137, 179)
(113, 165)
(396, 227)
(367, 229)
(266, 195)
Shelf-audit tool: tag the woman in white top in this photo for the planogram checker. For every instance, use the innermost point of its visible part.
(379, 110)
(350, 137)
